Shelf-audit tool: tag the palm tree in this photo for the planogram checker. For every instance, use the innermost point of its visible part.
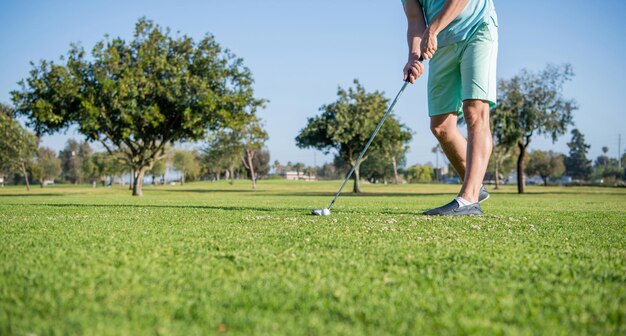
(437, 149)
(298, 167)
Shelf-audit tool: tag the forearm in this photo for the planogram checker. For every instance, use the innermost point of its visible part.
(416, 25)
(451, 9)
(414, 34)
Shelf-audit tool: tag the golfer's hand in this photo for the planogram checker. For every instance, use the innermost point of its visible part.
(413, 69)
(428, 46)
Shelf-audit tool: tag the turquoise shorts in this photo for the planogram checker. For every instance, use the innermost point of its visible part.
(464, 70)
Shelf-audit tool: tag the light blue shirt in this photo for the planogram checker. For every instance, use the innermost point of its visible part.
(463, 26)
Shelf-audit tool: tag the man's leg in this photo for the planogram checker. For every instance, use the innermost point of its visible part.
(454, 145)
(479, 144)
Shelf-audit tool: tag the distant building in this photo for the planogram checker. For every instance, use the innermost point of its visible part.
(292, 175)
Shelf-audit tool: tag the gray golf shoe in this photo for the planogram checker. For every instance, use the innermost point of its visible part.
(483, 195)
(453, 209)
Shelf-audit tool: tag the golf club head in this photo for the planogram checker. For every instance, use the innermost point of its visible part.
(320, 212)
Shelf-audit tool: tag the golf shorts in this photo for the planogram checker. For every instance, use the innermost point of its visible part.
(464, 70)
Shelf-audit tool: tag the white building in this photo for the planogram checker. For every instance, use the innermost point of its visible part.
(292, 175)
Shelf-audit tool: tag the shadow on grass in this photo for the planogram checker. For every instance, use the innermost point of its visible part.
(200, 207)
(313, 193)
(28, 195)
(216, 191)
(302, 211)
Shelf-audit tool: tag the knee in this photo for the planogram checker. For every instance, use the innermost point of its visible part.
(441, 131)
(476, 113)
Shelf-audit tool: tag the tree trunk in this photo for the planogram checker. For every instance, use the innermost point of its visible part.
(25, 176)
(497, 173)
(94, 183)
(163, 178)
(138, 183)
(521, 181)
(545, 181)
(132, 181)
(396, 179)
(252, 176)
(182, 179)
(356, 188)
(153, 180)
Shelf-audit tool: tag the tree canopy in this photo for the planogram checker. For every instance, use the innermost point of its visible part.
(17, 145)
(545, 164)
(138, 96)
(532, 104)
(576, 163)
(346, 125)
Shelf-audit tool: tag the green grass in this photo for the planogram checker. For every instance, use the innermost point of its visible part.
(207, 258)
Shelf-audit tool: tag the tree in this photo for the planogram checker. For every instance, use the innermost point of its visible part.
(298, 166)
(437, 150)
(531, 104)
(158, 169)
(185, 162)
(73, 160)
(47, 166)
(277, 166)
(501, 162)
(503, 147)
(546, 164)
(252, 138)
(222, 153)
(602, 161)
(417, 174)
(17, 145)
(136, 97)
(346, 125)
(261, 162)
(394, 139)
(105, 166)
(378, 167)
(328, 171)
(309, 171)
(576, 164)
(90, 170)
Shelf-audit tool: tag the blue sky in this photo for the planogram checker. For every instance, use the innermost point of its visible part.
(300, 51)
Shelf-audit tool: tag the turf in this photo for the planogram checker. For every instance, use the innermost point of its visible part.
(211, 258)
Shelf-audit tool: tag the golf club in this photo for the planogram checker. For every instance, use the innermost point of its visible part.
(326, 211)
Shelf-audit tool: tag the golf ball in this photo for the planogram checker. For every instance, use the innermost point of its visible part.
(325, 212)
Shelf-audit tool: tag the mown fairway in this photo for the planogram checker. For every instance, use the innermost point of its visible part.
(209, 258)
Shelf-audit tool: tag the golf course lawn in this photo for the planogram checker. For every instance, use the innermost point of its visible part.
(210, 258)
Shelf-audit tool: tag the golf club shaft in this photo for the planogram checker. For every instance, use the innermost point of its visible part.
(358, 160)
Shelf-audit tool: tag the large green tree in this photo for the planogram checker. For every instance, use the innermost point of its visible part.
(137, 96)
(532, 104)
(17, 145)
(545, 164)
(346, 125)
(576, 163)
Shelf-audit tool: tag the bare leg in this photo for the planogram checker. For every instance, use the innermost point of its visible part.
(479, 144)
(452, 141)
